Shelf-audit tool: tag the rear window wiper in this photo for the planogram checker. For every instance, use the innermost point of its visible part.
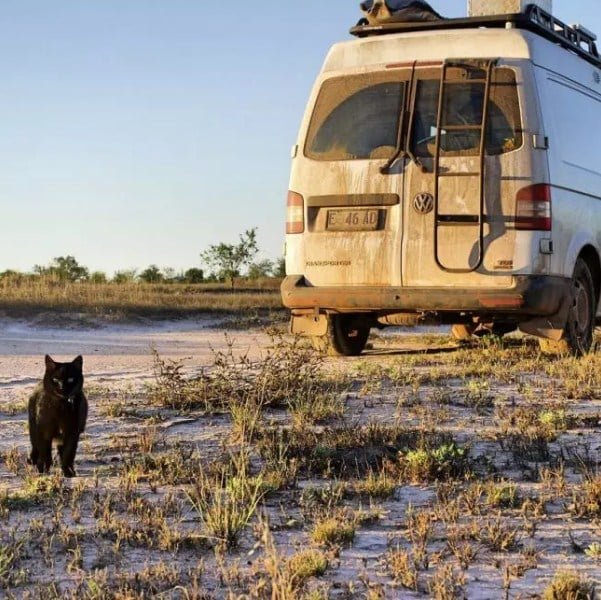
(414, 159)
(398, 153)
(401, 153)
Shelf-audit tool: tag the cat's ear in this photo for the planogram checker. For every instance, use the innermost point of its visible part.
(78, 362)
(50, 364)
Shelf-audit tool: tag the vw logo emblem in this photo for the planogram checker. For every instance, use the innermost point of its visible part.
(423, 203)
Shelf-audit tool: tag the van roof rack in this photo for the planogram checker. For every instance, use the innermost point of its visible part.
(572, 37)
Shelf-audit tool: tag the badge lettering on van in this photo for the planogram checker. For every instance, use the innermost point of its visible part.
(328, 263)
(504, 265)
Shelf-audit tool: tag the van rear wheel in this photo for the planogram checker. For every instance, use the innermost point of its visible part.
(580, 326)
(346, 336)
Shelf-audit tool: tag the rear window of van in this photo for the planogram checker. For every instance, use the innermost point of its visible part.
(358, 117)
(463, 107)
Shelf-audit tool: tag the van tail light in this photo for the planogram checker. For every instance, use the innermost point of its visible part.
(533, 208)
(295, 218)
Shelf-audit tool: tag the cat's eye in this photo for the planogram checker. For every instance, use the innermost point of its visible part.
(55, 380)
(70, 380)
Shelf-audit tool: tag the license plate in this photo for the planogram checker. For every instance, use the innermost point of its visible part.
(353, 220)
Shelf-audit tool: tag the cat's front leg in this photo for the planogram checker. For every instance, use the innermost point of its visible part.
(82, 412)
(33, 457)
(44, 455)
(68, 454)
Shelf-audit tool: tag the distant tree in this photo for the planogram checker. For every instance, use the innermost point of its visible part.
(228, 259)
(151, 274)
(97, 277)
(280, 268)
(194, 275)
(261, 268)
(65, 268)
(126, 276)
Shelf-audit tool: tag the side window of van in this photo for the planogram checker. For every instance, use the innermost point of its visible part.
(356, 118)
(464, 103)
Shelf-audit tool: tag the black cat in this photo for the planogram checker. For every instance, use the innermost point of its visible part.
(58, 410)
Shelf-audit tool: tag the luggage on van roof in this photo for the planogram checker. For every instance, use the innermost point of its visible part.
(397, 11)
(575, 37)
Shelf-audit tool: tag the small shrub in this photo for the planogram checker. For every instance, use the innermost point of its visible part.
(246, 419)
(285, 579)
(420, 527)
(401, 567)
(497, 535)
(36, 491)
(376, 485)
(10, 554)
(334, 531)
(227, 501)
(14, 460)
(443, 462)
(287, 375)
(555, 420)
(586, 498)
(594, 551)
(446, 583)
(305, 564)
(314, 408)
(502, 495)
(568, 586)
(316, 502)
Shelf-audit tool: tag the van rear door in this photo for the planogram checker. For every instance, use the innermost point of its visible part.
(466, 144)
(353, 230)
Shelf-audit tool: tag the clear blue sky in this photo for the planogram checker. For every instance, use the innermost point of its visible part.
(142, 131)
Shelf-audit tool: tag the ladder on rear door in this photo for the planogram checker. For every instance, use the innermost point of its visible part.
(462, 220)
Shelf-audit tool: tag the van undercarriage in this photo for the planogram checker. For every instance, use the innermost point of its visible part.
(339, 318)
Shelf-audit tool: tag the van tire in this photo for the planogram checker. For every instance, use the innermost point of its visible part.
(346, 336)
(580, 326)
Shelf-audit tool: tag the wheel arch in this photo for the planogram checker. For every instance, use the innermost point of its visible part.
(591, 257)
(582, 242)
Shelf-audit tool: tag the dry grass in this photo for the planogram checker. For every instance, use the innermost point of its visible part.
(120, 301)
(334, 531)
(288, 375)
(295, 476)
(569, 586)
(286, 578)
(226, 501)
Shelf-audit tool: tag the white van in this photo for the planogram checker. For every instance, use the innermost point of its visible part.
(450, 172)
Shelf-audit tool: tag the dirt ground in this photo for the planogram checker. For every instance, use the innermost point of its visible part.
(463, 472)
(113, 355)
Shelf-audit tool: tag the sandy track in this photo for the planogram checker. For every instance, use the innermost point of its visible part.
(112, 354)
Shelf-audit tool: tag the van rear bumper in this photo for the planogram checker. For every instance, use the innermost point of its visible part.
(531, 295)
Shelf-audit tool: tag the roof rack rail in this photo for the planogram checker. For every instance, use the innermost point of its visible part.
(572, 37)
